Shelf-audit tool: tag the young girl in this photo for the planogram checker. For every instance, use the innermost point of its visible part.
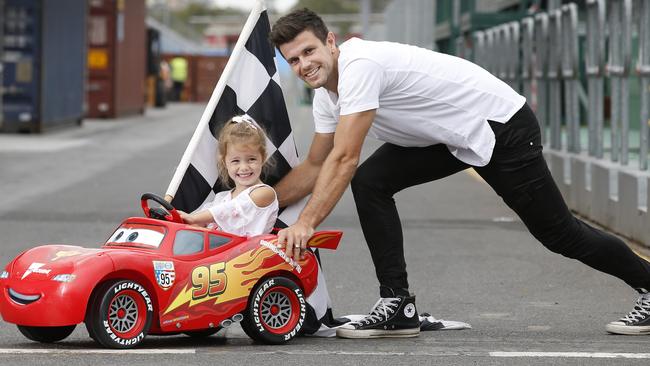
(251, 207)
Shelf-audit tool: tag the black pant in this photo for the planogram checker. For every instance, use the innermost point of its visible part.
(517, 172)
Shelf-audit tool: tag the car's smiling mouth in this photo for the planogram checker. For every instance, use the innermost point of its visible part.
(22, 299)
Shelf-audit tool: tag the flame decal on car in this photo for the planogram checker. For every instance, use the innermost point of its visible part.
(242, 271)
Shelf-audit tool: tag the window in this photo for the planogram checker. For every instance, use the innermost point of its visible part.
(137, 235)
(188, 242)
(216, 241)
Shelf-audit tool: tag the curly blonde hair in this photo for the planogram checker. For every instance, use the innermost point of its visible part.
(239, 130)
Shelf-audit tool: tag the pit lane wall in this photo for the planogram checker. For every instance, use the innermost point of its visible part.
(586, 72)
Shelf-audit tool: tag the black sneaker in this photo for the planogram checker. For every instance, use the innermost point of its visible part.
(427, 322)
(390, 317)
(637, 322)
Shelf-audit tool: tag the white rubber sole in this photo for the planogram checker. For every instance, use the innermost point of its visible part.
(377, 333)
(626, 329)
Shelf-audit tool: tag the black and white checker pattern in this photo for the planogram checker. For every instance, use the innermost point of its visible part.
(254, 89)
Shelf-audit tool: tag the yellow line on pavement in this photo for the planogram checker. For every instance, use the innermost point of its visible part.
(641, 255)
(472, 173)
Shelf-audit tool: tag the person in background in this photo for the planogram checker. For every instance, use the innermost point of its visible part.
(179, 76)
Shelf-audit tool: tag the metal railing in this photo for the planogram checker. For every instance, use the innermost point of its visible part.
(573, 63)
(540, 56)
(540, 62)
(569, 66)
(595, 72)
(618, 67)
(643, 68)
(553, 75)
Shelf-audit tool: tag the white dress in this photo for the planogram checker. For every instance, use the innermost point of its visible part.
(240, 215)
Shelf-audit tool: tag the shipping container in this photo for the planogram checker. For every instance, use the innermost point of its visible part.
(44, 64)
(206, 73)
(2, 39)
(117, 48)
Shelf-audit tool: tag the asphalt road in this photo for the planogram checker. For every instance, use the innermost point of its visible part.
(468, 256)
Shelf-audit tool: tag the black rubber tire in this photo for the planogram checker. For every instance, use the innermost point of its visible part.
(46, 334)
(120, 314)
(276, 311)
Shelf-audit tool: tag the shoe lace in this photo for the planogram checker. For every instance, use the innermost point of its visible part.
(640, 312)
(380, 311)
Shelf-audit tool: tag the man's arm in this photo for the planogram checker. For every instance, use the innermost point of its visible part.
(335, 175)
(300, 181)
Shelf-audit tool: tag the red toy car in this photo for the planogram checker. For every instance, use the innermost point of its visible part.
(157, 275)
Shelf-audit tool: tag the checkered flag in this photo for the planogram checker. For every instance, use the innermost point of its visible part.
(250, 84)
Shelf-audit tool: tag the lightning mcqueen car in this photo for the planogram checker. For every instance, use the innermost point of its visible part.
(157, 275)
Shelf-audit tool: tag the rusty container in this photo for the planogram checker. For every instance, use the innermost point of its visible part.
(206, 73)
(117, 48)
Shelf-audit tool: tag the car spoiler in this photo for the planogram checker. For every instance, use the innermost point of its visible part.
(325, 239)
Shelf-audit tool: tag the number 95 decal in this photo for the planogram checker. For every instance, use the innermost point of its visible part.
(164, 273)
(209, 281)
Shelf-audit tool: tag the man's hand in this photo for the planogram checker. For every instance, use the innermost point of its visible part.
(294, 239)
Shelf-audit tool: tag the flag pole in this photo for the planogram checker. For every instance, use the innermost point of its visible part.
(214, 98)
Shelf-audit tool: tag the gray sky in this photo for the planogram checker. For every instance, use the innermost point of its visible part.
(279, 5)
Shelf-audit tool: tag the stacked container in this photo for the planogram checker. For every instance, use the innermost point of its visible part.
(43, 63)
(203, 71)
(117, 48)
(2, 39)
(207, 71)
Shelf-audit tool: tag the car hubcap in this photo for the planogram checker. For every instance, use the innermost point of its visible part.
(276, 309)
(123, 313)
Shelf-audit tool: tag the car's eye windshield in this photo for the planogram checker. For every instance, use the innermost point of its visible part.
(137, 235)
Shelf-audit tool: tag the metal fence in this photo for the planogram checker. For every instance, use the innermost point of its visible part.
(550, 55)
(412, 23)
(574, 63)
(575, 66)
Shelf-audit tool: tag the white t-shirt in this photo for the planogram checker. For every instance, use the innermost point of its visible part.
(422, 98)
(240, 215)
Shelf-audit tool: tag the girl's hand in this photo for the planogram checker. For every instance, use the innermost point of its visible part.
(187, 218)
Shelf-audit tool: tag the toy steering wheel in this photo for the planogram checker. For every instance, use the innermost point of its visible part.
(168, 214)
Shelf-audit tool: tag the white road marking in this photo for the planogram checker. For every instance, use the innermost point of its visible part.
(95, 351)
(38, 144)
(571, 354)
(538, 328)
(154, 351)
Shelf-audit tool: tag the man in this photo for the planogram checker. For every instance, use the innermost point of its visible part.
(438, 115)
